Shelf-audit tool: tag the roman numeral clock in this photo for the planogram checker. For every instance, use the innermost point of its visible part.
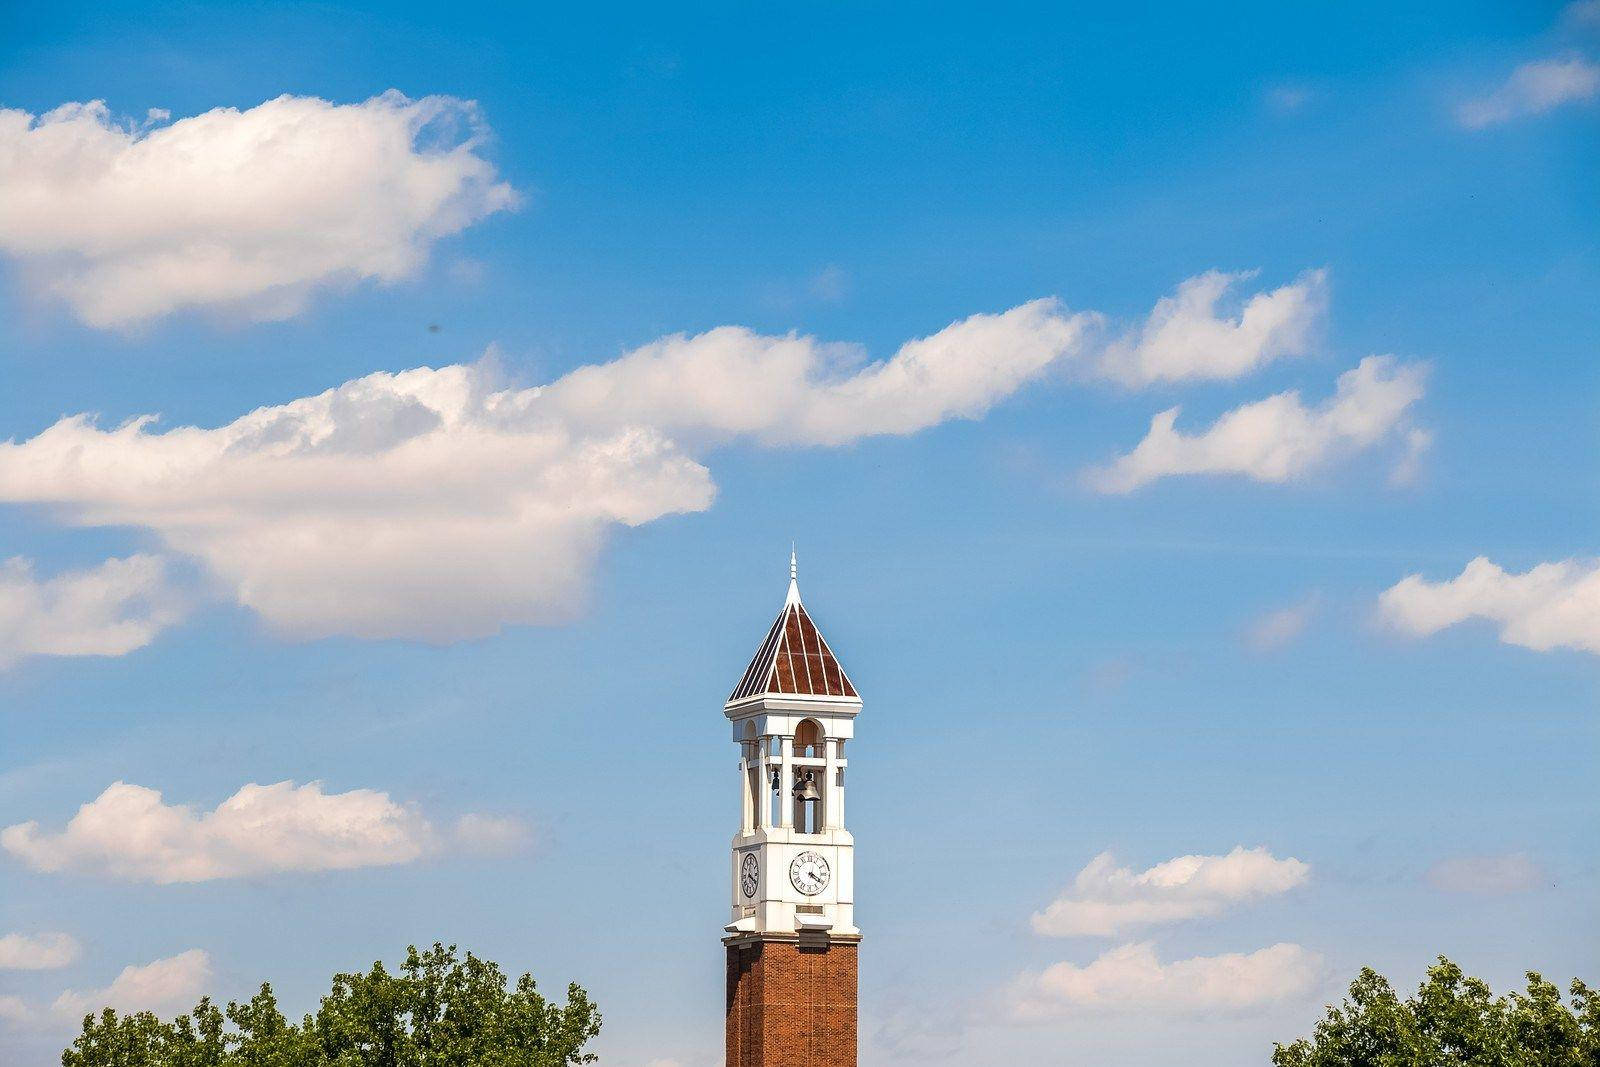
(791, 939)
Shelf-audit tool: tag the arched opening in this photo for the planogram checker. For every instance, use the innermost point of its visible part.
(808, 739)
(809, 781)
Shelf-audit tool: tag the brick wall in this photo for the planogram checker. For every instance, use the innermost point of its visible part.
(791, 1006)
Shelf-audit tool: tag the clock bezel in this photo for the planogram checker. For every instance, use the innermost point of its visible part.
(750, 866)
(794, 874)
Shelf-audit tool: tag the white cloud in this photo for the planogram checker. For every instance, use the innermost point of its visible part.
(1512, 872)
(435, 504)
(108, 610)
(1415, 445)
(442, 504)
(1278, 628)
(1532, 89)
(37, 952)
(1185, 338)
(241, 211)
(1131, 978)
(1105, 899)
(129, 833)
(730, 382)
(173, 983)
(1276, 439)
(492, 835)
(1553, 605)
(15, 1010)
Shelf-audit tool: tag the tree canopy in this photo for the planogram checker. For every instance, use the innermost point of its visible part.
(1452, 1020)
(440, 1010)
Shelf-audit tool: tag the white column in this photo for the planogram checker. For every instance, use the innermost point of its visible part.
(762, 801)
(830, 792)
(785, 781)
(747, 805)
(836, 784)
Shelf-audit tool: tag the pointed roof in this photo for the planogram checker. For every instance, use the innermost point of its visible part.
(794, 660)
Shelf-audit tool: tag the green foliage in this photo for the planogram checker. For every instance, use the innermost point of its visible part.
(441, 1010)
(1452, 1021)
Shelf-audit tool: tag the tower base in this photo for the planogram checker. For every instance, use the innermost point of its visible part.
(791, 1001)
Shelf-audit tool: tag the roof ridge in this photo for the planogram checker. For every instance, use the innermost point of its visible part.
(756, 671)
(818, 672)
(828, 650)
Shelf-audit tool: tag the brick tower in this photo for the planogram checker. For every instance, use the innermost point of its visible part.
(792, 939)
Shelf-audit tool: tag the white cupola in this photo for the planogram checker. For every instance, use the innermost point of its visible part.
(792, 712)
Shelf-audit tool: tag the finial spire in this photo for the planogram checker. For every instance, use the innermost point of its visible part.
(794, 582)
(794, 570)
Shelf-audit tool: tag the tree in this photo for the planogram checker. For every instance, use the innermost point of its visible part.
(1452, 1020)
(441, 1010)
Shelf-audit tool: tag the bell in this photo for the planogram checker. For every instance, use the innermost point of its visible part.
(805, 790)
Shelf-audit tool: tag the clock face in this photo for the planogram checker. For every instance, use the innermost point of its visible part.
(749, 874)
(809, 873)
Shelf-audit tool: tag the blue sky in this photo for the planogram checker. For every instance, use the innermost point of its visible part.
(1203, 660)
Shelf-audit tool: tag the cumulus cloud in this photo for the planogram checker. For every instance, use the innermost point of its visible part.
(37, 952)
(444, 504)
(175, 982)
(1185, 338)
(107, 610)
(436, 504)
(731, 382)
(1553, 605)
(1533, 89)
(1131, 978)
(1278, 628)
(1105, 899)
(241, 211)
(1276, 439)
(1512, 872)
(128, 832)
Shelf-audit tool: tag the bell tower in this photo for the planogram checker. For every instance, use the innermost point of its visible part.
(791, 939)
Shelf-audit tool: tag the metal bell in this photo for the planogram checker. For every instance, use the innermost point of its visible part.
(806, 790)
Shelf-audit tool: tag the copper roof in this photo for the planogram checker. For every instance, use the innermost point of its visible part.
(794, 660)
